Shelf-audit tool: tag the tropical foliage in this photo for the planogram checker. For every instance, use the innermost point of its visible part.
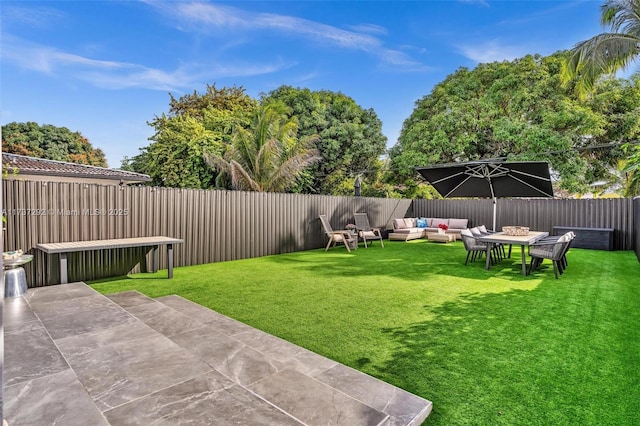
(350, 138)
(519, 110)
(268, 157)
(608, 52)
(195, 124)
(50, 142)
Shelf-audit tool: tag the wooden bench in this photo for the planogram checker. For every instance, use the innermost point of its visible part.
(63, 248)
(589, 238)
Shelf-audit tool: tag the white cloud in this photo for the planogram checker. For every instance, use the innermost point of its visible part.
(120, 75)
(492, 51)
(34, 17)
(483, 3)
(369, 28)
(211, 18)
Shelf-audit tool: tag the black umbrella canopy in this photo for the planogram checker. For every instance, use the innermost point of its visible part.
(490, 179)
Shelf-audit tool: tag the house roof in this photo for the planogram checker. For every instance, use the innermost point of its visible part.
(40, 166)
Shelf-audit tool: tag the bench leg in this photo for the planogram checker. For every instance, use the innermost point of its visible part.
(170, 260)
(154, 259)
(63, 269)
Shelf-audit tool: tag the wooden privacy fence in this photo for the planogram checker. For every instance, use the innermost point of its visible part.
(215, 225)
(228, 225)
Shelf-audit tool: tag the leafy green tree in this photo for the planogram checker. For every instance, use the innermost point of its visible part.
(609, 52)
(175, 158)
(50, 142)
(195, 124)
(632, 171)
(519, 110)
(268, 157)
(351, 139)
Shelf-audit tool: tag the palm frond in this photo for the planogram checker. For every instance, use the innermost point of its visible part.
(608, 52)
(241, 179)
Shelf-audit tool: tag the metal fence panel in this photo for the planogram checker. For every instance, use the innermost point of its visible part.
(541, 214)
(215, 225)
(228, 225)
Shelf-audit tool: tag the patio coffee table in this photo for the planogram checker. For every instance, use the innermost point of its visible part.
(440, 238)
(522, 240)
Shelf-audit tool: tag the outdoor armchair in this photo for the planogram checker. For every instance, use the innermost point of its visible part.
(475, 249)
(336, 237)
(497, 248)
(365, 230)
(552, 248)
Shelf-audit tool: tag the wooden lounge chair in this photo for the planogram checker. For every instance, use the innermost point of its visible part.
(365, 230)
(335, 237)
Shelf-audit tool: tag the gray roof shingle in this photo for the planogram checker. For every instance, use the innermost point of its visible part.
(40, 166)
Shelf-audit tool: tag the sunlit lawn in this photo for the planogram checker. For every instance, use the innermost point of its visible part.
(487, 347)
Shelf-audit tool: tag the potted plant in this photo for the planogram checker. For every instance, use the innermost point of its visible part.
(442, 228)
(351, 228)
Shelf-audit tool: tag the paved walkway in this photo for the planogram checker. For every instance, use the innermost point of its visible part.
(75, 357)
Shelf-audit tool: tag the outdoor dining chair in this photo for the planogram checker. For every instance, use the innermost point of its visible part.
(552, 248)
(497, 249)
(365, 230)
(475, 249)
(337, 237)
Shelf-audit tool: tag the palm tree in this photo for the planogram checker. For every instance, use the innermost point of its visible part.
(269, 157)
(608, 52)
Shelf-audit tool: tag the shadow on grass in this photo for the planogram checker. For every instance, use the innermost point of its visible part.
(564, 353)
(487, 347)
(413, 260)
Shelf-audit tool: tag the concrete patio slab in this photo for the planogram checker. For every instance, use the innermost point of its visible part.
(73, 356)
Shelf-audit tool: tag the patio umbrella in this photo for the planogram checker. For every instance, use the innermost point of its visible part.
(490, 179)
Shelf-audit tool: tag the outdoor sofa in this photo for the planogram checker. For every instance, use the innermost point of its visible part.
(411, 228)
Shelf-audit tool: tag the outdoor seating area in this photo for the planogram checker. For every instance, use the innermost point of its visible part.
(362, 230)
(411, 228)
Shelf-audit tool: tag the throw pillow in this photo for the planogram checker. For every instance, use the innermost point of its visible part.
(399, 224)
(421, 222)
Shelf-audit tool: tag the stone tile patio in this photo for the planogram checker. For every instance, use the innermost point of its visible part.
(75, 357)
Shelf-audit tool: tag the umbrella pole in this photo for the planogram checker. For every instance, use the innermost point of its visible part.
(494, 214)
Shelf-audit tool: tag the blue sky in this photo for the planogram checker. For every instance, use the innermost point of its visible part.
(105, 68)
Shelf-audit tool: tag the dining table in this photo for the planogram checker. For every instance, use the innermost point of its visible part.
(521, 240)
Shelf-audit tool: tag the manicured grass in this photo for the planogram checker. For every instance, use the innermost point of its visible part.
(487, 347)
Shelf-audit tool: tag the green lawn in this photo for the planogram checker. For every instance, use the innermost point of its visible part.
(487, 347)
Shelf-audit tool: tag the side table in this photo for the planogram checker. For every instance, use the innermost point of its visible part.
(15, 280)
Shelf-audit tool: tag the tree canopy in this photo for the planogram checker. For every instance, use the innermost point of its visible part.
(268, 157)
(519, 110)
(195, 124)
(51, 143)
(350, 137)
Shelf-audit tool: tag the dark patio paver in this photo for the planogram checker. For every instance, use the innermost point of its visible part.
(137, 360)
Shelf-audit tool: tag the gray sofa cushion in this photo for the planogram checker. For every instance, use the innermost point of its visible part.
(409, 231)
(399, 224)
(458, 223)
(437, 221)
